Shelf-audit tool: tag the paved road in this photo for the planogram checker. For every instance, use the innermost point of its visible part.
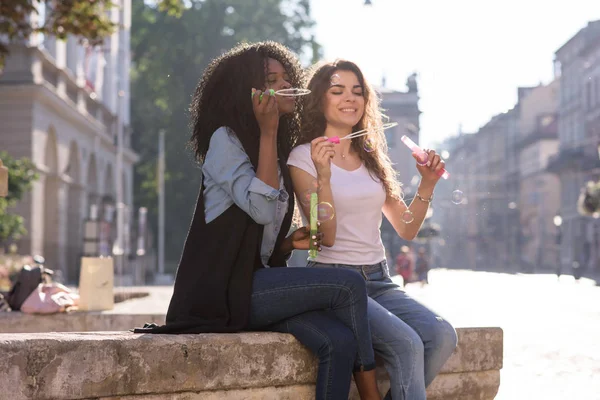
(551, 328)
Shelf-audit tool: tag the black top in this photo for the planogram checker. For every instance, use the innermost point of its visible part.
(214, 278)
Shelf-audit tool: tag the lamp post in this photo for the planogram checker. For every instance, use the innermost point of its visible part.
(557, 223)
(3, 180)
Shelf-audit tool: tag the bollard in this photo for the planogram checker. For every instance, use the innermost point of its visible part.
(3, 180)
(96, 282)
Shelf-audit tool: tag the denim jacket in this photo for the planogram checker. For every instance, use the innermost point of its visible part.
(229, 178)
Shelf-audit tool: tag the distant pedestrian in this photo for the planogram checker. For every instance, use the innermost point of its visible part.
(422, 267)
(404, 264)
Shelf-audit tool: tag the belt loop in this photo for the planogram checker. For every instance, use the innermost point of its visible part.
(362, 269)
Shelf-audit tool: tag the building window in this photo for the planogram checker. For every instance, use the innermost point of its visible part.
(588, 95)
(596, 91)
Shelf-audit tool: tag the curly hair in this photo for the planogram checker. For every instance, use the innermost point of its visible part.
(313, 122)
(222, 98)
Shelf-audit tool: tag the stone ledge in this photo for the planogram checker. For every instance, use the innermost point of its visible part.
(295, 392)
(77, 321)
(124, 365)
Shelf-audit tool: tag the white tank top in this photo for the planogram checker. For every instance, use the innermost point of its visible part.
(358, 200)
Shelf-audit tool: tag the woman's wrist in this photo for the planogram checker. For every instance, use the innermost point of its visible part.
(426, 189)
(287, 245)
(323, 181)
(270, 133)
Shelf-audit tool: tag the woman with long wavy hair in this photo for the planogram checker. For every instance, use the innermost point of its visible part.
(357, 178)
(242, 134)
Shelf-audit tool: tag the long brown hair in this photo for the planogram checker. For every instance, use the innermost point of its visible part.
(313, 122)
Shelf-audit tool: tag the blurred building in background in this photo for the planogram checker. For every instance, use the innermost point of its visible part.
(578, 66)
(524, 168)
(401, 107)
(61, 104)
(539, 198)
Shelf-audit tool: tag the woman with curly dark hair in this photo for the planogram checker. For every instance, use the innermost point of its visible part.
(357, 178)
(242, 133)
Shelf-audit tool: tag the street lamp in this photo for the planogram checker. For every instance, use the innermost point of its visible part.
(558, 222)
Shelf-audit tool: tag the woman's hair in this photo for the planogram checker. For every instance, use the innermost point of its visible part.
(222, 98)
(313, 122)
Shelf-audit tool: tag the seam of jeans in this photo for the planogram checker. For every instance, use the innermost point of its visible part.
(397, 361)
(329, 345)
(353, 302)
(307, 286)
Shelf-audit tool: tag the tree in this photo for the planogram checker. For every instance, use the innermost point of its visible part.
(84, 18)
(169, 55)
(21, 175)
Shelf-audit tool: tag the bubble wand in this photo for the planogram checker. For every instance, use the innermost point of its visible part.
(336, 139)
(291, 92)
(314, 201)
(421, 153)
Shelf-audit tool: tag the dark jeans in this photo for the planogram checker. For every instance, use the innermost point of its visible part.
(279, 294)
(332, 342)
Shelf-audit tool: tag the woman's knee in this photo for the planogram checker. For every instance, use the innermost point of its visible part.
(406, 346)
(444, 337)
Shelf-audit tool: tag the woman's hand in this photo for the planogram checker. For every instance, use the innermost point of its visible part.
(430, 174)
(266, 111)
(321, 152)
(300, 240)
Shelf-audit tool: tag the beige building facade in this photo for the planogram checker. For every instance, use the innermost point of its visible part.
(539, 199)
(578, 61)
(61, 105)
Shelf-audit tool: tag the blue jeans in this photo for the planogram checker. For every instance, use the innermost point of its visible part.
(412, 340)
(332, 342)
(282, 293)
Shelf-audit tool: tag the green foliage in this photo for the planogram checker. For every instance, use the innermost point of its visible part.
(21, 175)
(86, 19)
(169, 56)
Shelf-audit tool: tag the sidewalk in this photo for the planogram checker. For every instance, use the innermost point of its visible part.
(156, 302)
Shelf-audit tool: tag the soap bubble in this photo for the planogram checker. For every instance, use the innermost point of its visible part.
(407, 216)
(335, 79)
(369, 146)
(458, 197)
(313, 187)
(305, 198)
(325, 212)
(423, 158)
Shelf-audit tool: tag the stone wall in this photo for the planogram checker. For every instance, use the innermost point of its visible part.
(118, 365)
(17, 322)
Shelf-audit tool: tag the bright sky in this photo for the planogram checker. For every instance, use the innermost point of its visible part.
(471, 55)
